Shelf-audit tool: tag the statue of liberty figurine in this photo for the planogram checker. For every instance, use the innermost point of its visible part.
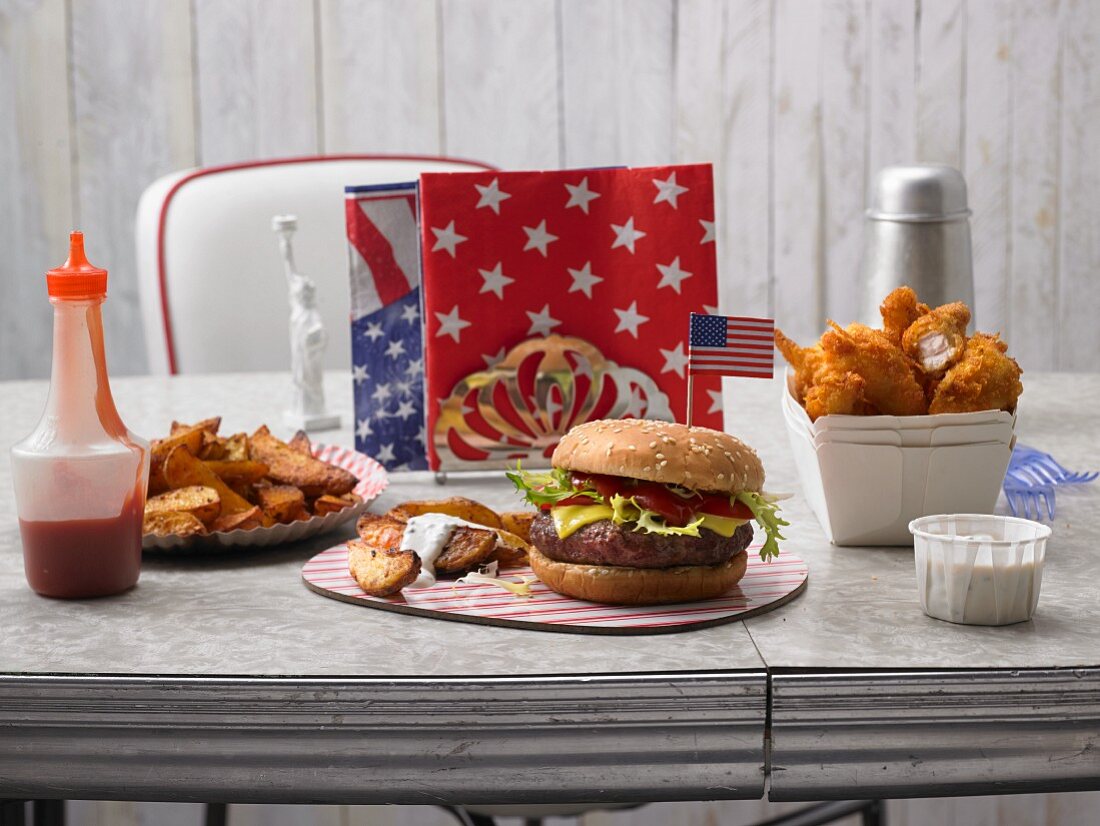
(307, 340)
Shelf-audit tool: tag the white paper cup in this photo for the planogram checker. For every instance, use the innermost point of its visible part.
(979, 569)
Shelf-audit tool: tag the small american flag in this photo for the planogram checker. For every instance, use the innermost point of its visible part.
(731, 346)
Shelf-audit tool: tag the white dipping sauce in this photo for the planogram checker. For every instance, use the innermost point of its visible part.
(983, 592)
(426, 536)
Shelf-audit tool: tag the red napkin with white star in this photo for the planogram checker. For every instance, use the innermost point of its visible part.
(616, 259)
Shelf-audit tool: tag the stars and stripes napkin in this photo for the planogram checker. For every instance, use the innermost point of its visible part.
(386, 326)
(617, 257)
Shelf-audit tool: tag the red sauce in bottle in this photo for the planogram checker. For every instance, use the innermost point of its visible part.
(83, 557)
(80, 476)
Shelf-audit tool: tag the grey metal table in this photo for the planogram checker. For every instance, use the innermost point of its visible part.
(227, 680)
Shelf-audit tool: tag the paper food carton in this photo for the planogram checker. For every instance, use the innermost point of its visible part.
(865, 486)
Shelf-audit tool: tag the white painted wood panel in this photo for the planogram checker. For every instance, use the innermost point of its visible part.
(987, 155)
(844, 33)
(500, 82)
(1035, 171)
(798, 240)
(723, 115)
(256, 80)
(36, 208)
(891, 99)
(134, 122)
(617, 79)
(380, 76)
(941, 62)
(1077, 331)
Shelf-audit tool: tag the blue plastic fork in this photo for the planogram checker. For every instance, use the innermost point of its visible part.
(1026, 500)
(1030, 481)
(1026, 458)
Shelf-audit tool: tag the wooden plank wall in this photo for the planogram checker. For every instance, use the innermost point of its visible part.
(797, 102)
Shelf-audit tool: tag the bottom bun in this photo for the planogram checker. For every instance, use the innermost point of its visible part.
(617, 585)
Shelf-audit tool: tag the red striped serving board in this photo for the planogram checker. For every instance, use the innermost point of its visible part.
(766, 585)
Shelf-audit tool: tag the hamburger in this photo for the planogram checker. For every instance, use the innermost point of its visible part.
(637, 512)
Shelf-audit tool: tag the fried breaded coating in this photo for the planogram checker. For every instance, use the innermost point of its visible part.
(984, 379)
(804, 360)
(837, 393)
(899, 310)
(936, 340)
(889, 381)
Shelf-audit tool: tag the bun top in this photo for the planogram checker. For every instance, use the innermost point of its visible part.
(695, 457)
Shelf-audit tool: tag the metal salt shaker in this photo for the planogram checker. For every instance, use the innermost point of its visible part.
(917, 232)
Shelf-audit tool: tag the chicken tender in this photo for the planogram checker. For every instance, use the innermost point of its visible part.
(804, 360)
(837, 394)
(889, 381)
(936, 340)
(899, 310)
(984, 379)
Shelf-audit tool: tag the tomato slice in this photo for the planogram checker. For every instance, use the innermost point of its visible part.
(675, 509)
(576, 500)
(605, 486)
(719, 504)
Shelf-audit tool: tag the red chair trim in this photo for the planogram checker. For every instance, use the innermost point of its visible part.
(212, 170)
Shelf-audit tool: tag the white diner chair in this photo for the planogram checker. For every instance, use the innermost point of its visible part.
(210, 277)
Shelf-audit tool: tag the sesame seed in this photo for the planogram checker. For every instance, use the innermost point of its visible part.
(653, 444)
(631, 447)
(660, 455)
(645, 469)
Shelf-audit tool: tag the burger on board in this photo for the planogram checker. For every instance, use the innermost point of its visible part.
(638, 512)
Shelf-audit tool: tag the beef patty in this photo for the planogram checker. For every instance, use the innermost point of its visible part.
(605, 543)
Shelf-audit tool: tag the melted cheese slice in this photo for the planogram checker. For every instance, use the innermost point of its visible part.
(571, 518)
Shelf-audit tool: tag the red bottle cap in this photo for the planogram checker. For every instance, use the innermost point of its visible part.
(76, 278)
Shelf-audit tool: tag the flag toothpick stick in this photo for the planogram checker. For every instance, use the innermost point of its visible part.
(729, 346)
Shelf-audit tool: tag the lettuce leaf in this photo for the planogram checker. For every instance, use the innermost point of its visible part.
(767, 517)
(628, 510)
(547, 487)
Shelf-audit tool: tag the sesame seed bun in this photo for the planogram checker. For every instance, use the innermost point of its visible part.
(697, 458)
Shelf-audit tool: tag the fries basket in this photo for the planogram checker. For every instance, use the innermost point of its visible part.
(867, 477)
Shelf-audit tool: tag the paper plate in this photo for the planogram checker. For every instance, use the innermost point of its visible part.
(372, 481)
(766, 585)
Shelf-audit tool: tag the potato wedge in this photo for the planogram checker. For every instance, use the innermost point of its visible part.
(172, 523)
(210, 425)
(380, 531)
(201, 502)
(518, 523)
(511, 550)
(159, 450)
(213, 447)
(289, 467)
(236, 448)
(182, 469)
(381, 572)
(242, 520)
(457, 506)
(299, 442)
(282, 503)
(244, 472)
(329, 504)
(466, 549)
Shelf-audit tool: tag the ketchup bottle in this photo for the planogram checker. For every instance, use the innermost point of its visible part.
(80, 477)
